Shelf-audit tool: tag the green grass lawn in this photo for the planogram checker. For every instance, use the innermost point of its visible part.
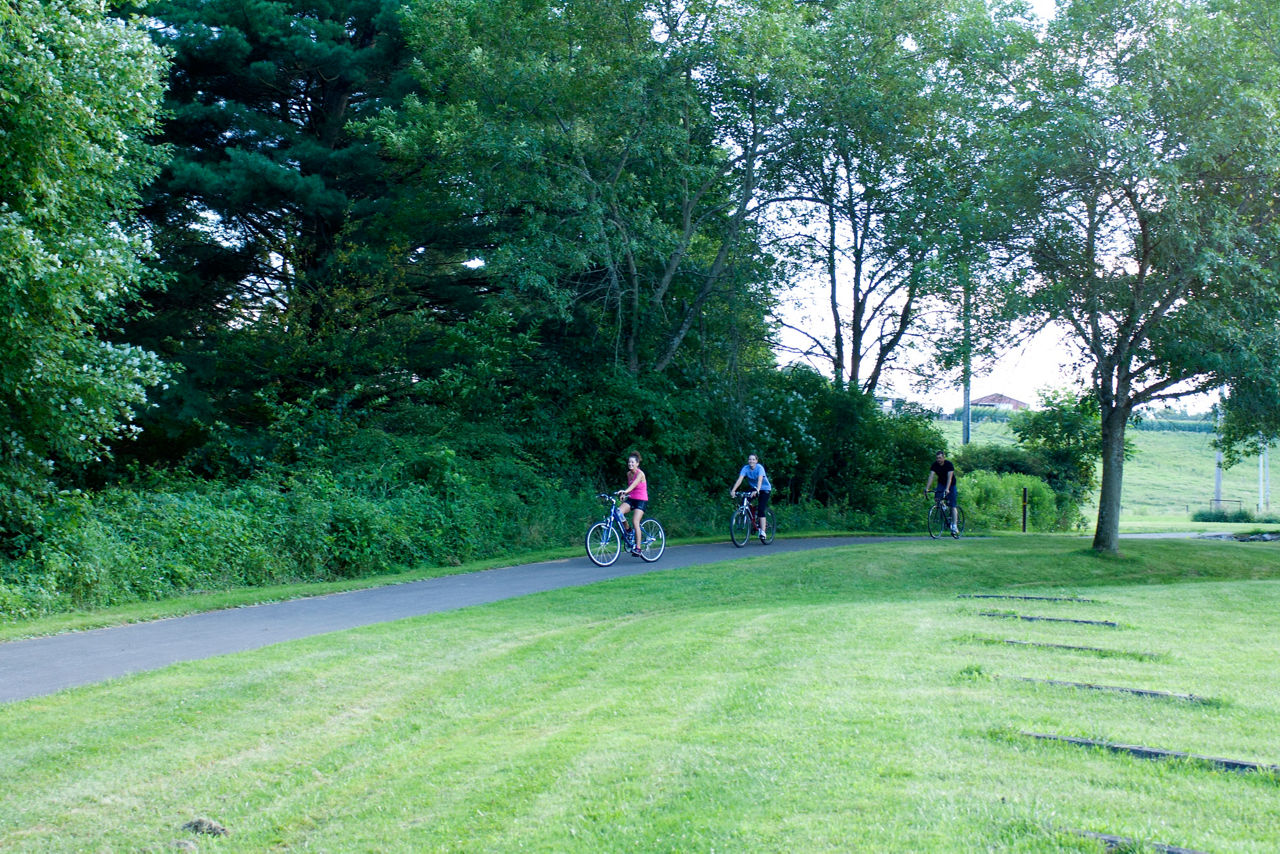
(1170, 476)
(834, 701)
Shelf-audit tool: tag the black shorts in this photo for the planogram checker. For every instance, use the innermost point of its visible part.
(636, 503)
(762, 501)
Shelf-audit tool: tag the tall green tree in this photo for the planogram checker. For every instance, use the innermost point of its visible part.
(612, 149)
(1251, 416)
(78, 94)
(303, 263)
(266, 173)
(887, 170)
(1154, 139)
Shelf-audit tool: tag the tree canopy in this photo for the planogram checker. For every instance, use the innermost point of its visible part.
(1151, 133)
(78, 92)
(890, 178)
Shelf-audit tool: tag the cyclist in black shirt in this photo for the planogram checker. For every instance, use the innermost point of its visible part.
(943, 473)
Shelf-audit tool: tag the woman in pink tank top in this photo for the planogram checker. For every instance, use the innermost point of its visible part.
(635, 496)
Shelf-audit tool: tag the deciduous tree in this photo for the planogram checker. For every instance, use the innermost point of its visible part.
(893, 198)
(1153, 136)
(613, 150)
(78, 93)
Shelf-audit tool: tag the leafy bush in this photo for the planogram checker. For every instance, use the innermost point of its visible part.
(1005, 459)
(180, 534)
(984, 413)
(993, 502)
(1240, 514)
(331, 493)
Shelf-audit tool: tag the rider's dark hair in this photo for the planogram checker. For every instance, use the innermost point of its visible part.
(635, 454)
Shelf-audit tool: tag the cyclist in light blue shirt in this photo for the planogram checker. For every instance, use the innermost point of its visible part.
(753, 473)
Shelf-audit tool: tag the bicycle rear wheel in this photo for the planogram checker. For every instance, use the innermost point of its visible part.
(935, 522)
(603, 544)
(653, 540)
(740, 527)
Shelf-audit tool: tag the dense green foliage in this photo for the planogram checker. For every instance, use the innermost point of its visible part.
(77, 90)
(1065, 434)
(426, 270)
(176, 535)
(1239, 515)
(994, 502)
(1057, 451)
(367, 500)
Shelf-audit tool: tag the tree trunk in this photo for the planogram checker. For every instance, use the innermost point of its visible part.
(837, 358)
(1106, 537)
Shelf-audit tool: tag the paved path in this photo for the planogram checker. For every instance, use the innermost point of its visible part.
(33, 668)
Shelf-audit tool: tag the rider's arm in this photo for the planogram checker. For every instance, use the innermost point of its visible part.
(951, 478)
(928, 484)
(630, 486)
(736, 484)
(760, 479)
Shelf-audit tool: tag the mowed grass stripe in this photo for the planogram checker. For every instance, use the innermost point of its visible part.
(813, 702)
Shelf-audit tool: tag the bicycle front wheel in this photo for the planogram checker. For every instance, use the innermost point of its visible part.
(936, 522)
(769, 526)
(653, 540)
(959, 529)
(740, 527)
(603, 544)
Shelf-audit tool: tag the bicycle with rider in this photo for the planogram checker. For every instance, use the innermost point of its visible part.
(758, 481)
(943, 473)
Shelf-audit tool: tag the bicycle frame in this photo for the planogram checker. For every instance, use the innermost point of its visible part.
(615, 522)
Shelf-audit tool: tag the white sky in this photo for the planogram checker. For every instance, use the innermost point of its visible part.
(1022, 373)
(1043, 8)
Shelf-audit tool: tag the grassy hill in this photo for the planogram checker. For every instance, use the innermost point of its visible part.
(1170, 476)
(848, 700)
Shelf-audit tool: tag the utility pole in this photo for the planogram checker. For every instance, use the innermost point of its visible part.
(1217, 471)
(967, 369)
(1264, 480)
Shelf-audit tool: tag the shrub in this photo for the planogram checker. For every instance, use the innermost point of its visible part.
(1002, 459)
(993, 502)
(1218, 515)
(179, 534)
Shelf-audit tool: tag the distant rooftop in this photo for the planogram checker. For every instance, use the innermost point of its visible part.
(1000, 401)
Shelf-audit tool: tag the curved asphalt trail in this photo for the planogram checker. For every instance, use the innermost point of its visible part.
(39, 666)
